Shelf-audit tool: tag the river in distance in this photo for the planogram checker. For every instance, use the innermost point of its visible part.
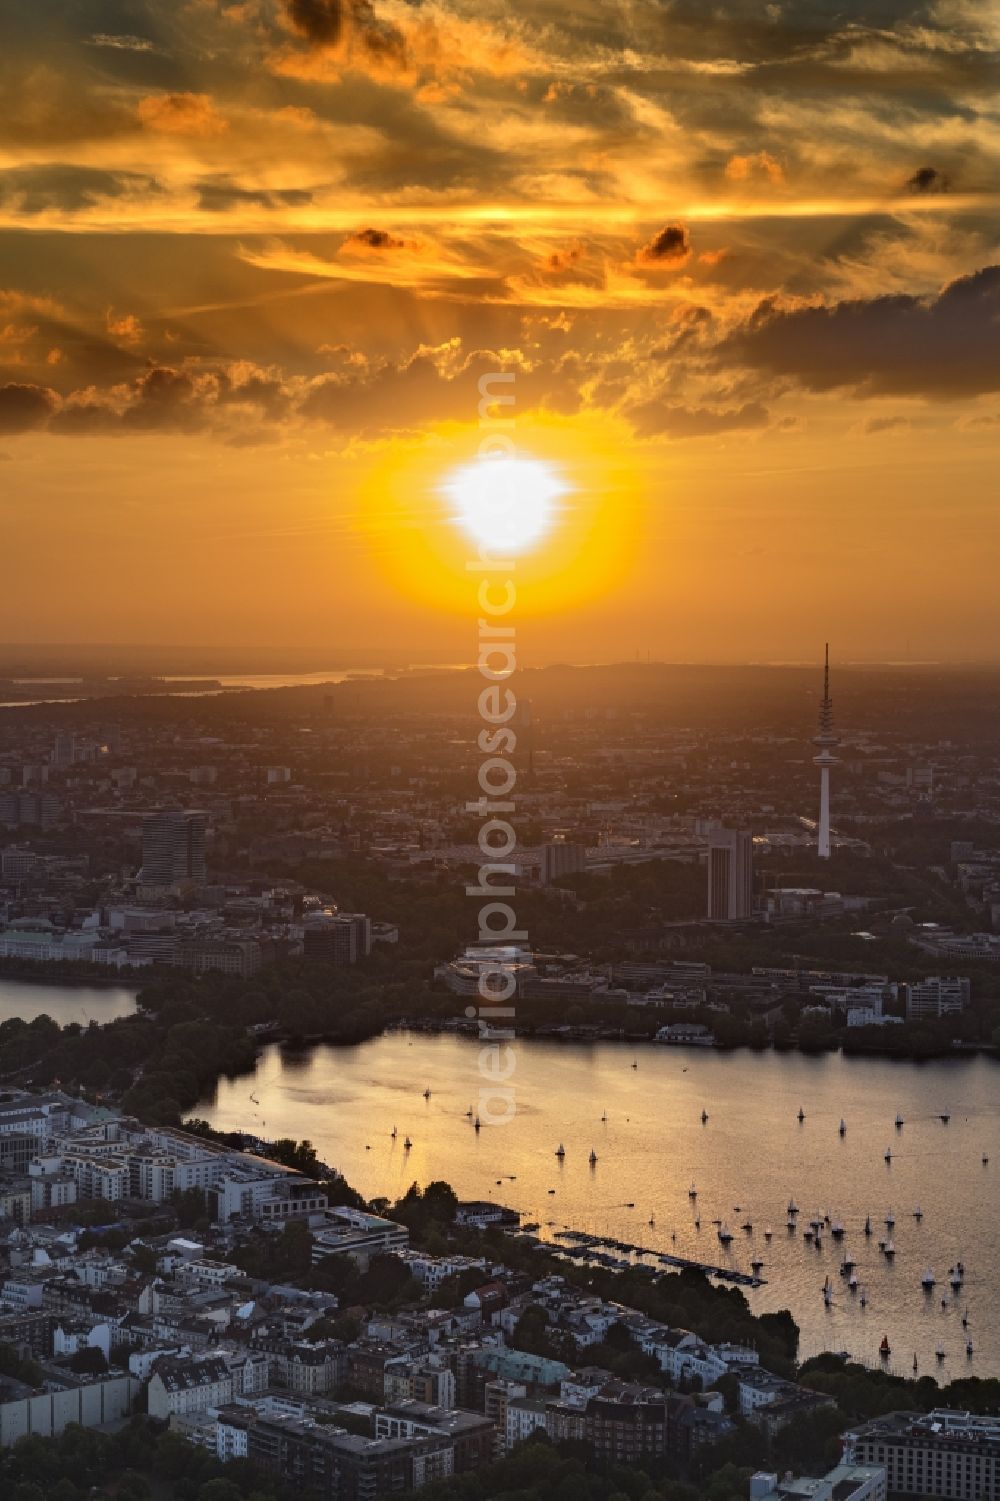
(747, 1160)
(65, 1003)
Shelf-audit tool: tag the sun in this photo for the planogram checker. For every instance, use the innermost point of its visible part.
(505, 503)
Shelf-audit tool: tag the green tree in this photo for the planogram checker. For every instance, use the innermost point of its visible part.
(220, 1490)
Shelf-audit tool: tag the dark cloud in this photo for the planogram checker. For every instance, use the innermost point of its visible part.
(216, 195)
(34, 190)
(24, 407)
(374, 239)
(876, 425)
(318, 21)
(944, 346)
(670, 246)
(927, 180)
(353, 25)
(658, 419)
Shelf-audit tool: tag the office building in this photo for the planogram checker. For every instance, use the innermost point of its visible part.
(937, 995)
(39, 809)
(64, 749)
(562, 858)
(337, 938)
(173, 848)
(730, 874)
(844, 1483)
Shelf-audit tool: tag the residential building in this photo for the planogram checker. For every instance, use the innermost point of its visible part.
(329, 1462)
(943, 1453)
(173, 848)
(186, 1385)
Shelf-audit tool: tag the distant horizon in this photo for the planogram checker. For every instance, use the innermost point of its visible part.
(161, 660)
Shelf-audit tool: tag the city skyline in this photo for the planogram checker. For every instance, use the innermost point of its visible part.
(499, 758)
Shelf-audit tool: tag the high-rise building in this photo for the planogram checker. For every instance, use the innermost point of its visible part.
(730, 874)
(827, 740)
(562, 858)
(173, 848)
(64, 749)
(40, 809)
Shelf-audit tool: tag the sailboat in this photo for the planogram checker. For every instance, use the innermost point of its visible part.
(469, 1113)
(842, 1127)
(593, 1157)
(827, 1293)
(918, 1213)
(477, 1124)
(888, 1154)
(692, 1192)
(863, 1297)
(560, 1150)
(725, 1234)
(868, 1224)
(968, 1348)
(939, 1352)
(885, 1349)
(407, 1143)
(704, 1116)
(394, 1133)
(427, 1094)
(899, 1121)
(802, 1115)
(928, 1280)
(889, 1250)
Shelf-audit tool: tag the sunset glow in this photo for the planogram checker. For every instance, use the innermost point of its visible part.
(741, 266)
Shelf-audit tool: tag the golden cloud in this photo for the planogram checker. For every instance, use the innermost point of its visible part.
(181, 114)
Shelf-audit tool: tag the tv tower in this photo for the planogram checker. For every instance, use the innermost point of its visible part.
(827, 740)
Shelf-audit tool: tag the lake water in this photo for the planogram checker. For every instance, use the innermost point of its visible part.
(65, 1003)
(752, 1152)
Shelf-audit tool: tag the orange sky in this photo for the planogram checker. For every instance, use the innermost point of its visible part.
(743, 263)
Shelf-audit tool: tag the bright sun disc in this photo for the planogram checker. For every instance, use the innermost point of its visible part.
(506, 504)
